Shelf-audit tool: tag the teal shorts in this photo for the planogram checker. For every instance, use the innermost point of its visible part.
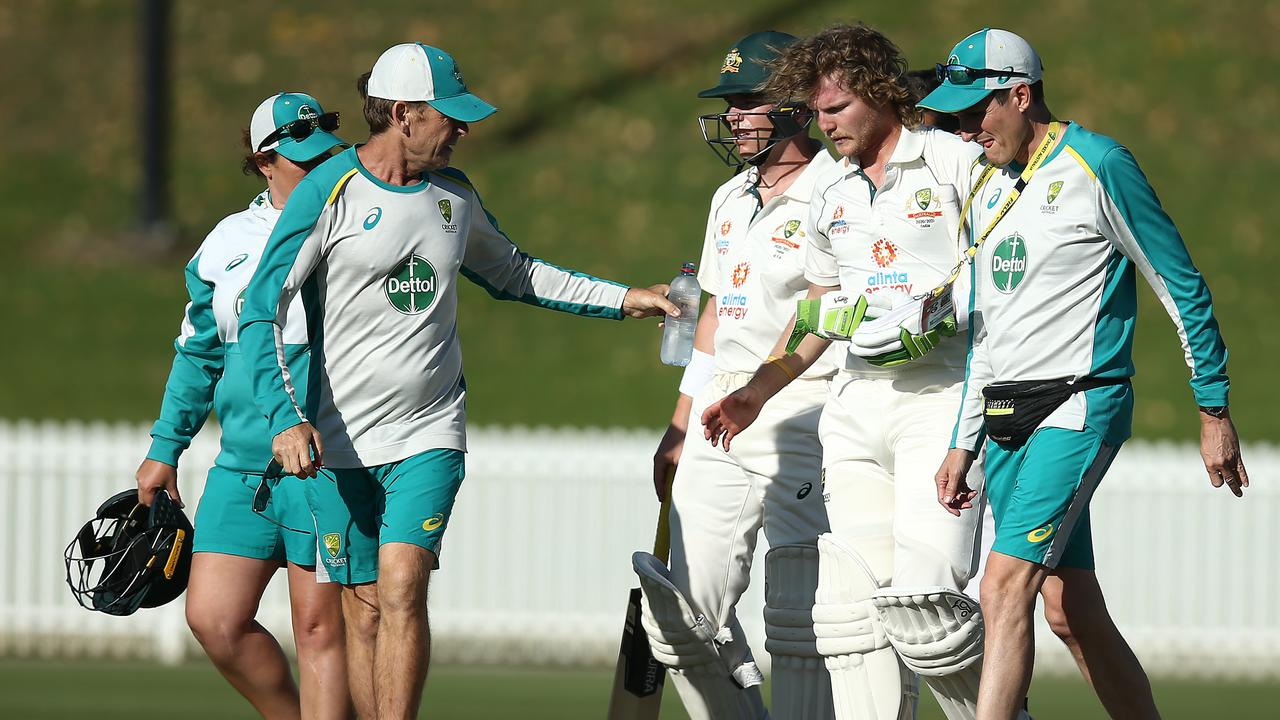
(357, 510)
(226, 523)
(1040, 495)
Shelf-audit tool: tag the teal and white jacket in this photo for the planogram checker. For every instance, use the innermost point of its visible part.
(207, 373)
(1055, 291)
(377, 266)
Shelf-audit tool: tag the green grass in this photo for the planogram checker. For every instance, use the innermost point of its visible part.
(594, 162)
(131, 691)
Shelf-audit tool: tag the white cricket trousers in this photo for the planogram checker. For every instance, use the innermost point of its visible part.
(721, 500)
(884, 439)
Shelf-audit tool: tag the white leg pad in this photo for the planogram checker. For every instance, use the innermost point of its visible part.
(688, 644)
(938, 633)
(868, 682)
(801, 684)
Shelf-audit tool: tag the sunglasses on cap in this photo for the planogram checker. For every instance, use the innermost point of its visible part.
(965, 75)
(262, 496)
(300, 129)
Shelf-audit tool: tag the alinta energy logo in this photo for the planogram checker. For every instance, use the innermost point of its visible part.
(412, 286)
(740, 273)
(884, 253)
(1009, 263)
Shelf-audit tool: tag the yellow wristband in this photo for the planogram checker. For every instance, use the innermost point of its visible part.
(783, 366)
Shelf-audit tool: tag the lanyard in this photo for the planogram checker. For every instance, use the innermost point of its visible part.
(1037, 159)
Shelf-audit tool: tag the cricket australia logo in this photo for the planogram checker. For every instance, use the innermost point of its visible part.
(923, 197)
(1009, 263)
(446, 212)
(333, 544)
(790, 228)
(412, 286)
(732, 62)
(1055, 187)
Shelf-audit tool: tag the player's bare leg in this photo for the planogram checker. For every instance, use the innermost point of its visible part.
(404, 638)
(360, 613)
(1077, 614)
(318, 637)
(222, 600)
(1009, 590)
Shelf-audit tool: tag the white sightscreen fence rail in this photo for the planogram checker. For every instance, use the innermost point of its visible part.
(536, 564)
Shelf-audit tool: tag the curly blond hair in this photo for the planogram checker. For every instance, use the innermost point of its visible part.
(866, 63)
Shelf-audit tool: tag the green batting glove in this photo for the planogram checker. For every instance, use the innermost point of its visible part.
(914, 347)
(834, 316)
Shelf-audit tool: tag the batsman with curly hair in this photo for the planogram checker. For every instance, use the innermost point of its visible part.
(884, 227)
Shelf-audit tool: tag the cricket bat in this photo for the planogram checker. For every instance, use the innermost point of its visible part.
(638, 678)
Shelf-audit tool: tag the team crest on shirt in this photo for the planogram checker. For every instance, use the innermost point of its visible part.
(923, 197)
(412, 286)
(239, 304)
(782, 242)
(732, 62)
(446, 212)
(1009, 263)
(884, 253)
(924, 208)
(1055, 188)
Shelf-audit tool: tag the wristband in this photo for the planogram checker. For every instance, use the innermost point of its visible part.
(783, 366)
(697, 373)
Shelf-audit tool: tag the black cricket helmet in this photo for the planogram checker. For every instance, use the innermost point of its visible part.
(746, 68)
(130, 555)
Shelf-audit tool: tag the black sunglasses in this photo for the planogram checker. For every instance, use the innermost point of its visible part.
(302, 128)
(262, 496)
(964, 75)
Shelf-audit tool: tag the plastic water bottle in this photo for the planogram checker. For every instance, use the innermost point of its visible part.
(677, 332)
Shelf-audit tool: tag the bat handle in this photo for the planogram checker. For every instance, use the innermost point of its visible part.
(662, 538)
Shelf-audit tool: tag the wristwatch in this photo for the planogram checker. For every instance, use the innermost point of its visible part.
(1215, 411)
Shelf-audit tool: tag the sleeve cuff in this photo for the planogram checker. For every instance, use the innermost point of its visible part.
(165, 450)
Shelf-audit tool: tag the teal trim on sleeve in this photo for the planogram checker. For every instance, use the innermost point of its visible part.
(263, 296)
(197, 367)
(1131, 194)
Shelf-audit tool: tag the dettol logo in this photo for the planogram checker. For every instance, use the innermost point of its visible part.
(411, 287)
(1009, 263)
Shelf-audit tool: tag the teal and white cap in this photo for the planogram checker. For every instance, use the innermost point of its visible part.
(415, 72)
(988, 49)
(281, 109)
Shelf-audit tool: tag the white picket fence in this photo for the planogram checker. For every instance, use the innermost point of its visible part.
(535, 568)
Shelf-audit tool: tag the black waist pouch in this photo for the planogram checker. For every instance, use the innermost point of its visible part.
(1014, 410)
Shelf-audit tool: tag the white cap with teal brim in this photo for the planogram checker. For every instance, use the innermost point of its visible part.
(990, 50)
(414, 72)
(281, 109)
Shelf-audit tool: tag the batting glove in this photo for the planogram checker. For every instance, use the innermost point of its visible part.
(834, 316)
(901, 335)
